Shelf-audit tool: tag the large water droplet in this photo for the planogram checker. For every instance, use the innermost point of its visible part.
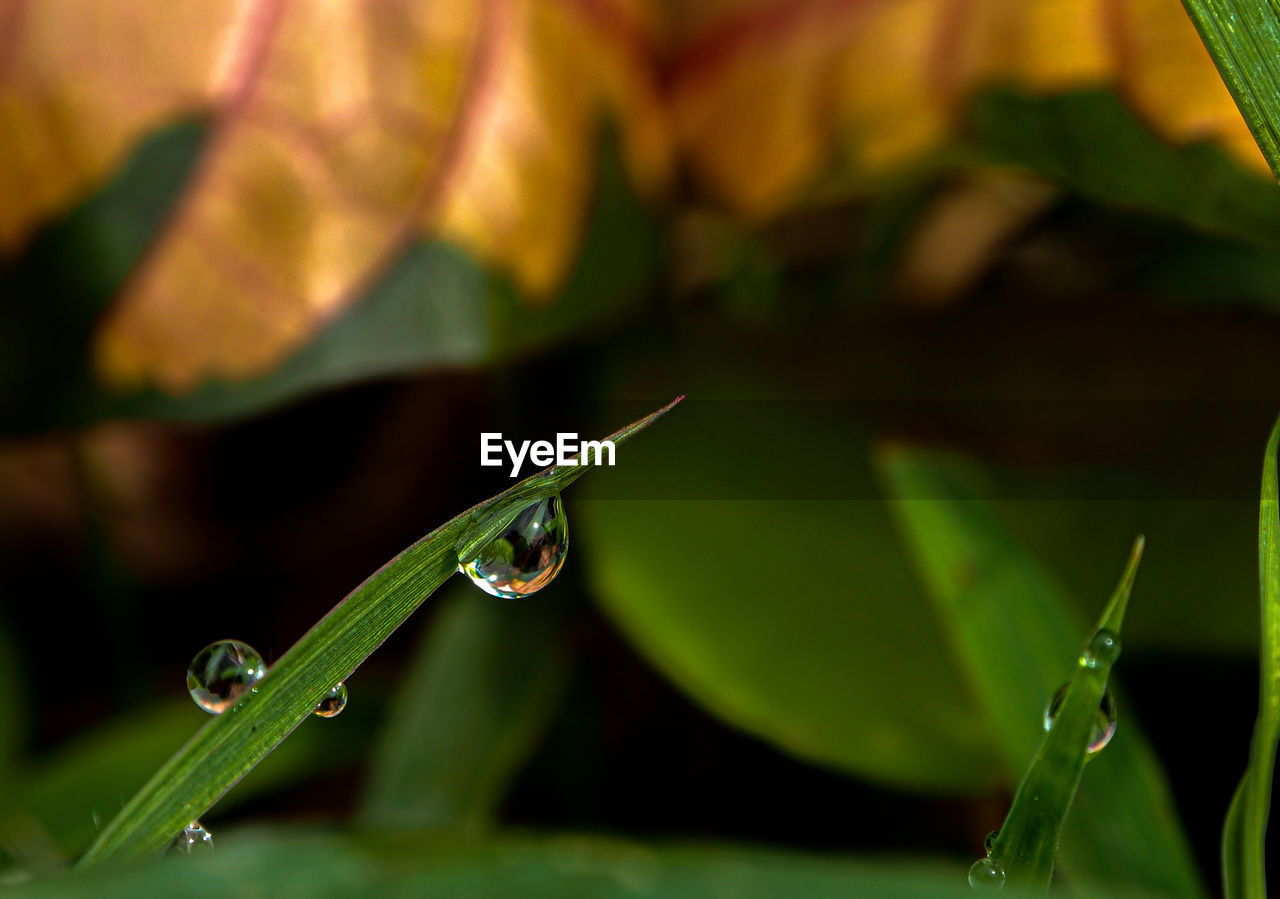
(333, 703)
(986, 874)
(194, 838)
(222, 673)
(1104, 723)
(526, 556)
(1103, 649)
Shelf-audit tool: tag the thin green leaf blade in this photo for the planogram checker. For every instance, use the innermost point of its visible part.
(1244, 871)
(1243, 37)
(229, 746)
(477, 697)
(1028, 842)
(1017, 641)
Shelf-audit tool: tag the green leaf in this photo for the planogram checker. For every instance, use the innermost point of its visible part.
(1090, 142)
(266, 863)
(1243, 37)
(59, 803)
(1028, 842)
(229, 746)
(479, 694)
(783, 602)
(1015, 633)
(1244, 872)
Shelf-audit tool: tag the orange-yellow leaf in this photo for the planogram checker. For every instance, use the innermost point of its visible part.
(80, 81)
(766, 95)
(340, 130)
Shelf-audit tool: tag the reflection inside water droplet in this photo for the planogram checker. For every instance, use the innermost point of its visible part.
(1103, 649)
(222, 673)
(333, 703)
(527, 555)
(1104, 723)
(194, 838)
(986, 874)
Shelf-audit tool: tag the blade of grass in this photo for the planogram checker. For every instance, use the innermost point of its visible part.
(1243, 37)
(1244, 872)
(229, 746)
(480, 693)
(1016, 638)
(1028, 842)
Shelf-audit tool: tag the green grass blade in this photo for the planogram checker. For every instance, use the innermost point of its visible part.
(1028, 841)
(1243, 37)
(1017, 640)
(479, 694)
(1244, 872)
(229, 746)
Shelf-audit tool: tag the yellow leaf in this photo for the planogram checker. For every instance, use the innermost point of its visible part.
(346, 130)
(765, 96)
(341, 130)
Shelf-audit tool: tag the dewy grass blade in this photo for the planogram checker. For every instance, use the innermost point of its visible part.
(1244, 872)
(1028, 841)
(229, 746)
(1243, 37)
(1016, 636)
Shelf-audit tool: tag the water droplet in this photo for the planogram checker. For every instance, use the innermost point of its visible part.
(990, 843)
(986, 874)
(1103, 649)
(1104, 723)
(526, 556)
(194, 838)
(333, 703)
(222, 673)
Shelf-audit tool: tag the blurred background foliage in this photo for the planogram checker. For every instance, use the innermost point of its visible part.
(269, 269)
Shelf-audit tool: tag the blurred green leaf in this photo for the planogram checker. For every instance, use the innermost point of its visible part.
(230, 745)
(386, 864)
(479, 694)
(1244, 871)
(1088, 141)
(1244, 40)
(1017, 637)
(793, 616)
(61, 801)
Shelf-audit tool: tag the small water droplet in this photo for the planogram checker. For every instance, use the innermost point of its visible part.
(986, 874)
(194, 839)
(990, 842)
(1103, 649)
(222, 673)
(1104, 723)
(333, 703)
(526, 556)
